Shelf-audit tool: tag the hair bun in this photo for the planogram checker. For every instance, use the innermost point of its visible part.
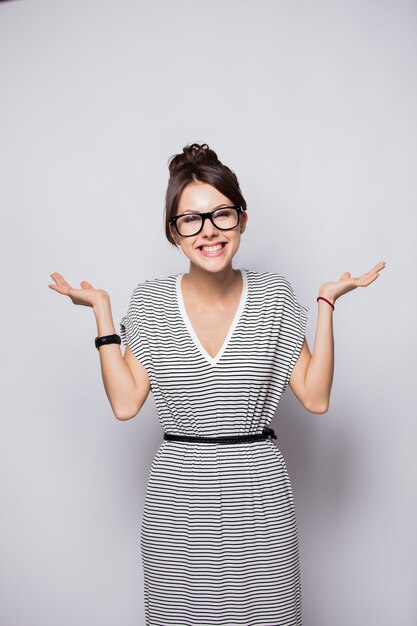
(192, 155)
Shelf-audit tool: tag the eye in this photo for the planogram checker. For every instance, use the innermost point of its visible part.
(190, 218)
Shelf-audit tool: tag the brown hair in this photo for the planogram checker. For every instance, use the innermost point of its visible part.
(198, 163)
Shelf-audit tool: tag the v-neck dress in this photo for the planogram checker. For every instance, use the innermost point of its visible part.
(218, 534)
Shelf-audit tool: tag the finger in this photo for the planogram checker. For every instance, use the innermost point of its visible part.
(373, 273)
(367, 279)
(60, 280)
(59, 289)
(376, 268)
(62, 286)
(86, 285)
(57, 278)
(371, 280)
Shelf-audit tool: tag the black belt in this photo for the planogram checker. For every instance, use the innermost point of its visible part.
(267, 432)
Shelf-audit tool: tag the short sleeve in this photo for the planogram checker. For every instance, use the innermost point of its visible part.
(133, 329)
(293, 328)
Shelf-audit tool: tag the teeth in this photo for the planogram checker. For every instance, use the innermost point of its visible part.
(212, 248)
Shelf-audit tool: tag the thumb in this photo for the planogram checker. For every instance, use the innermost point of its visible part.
(345, 276)
(86, 285)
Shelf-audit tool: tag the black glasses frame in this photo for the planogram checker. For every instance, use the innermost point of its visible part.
(205, 216)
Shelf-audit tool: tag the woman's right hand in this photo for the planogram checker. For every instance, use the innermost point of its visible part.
(87, 295)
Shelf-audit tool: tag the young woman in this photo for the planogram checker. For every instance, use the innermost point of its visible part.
(217, 346)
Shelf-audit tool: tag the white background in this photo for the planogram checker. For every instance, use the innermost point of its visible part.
(313, 105)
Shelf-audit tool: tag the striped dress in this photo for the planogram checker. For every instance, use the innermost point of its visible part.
(218, 535)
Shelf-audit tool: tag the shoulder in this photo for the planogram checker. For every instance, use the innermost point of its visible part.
(269, 281)
(275, 291)
(159, 283)
(154, 289)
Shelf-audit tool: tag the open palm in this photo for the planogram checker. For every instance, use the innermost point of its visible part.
(87, 295)
(347, 282)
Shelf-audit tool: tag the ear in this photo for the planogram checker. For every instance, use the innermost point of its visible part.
(243, 221)
(174, 234)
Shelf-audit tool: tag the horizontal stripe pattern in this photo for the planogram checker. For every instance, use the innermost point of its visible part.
(218, 534)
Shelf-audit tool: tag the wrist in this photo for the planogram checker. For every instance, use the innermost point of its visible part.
(102, 305)
(325, 294)
(104, 318)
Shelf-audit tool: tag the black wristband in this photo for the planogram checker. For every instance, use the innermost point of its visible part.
(101, 341)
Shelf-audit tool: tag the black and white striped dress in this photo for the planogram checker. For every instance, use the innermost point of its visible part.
(218, 534)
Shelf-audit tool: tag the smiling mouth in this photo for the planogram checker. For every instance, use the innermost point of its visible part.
(215, 247)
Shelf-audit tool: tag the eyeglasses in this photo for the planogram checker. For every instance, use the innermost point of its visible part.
(190, 224)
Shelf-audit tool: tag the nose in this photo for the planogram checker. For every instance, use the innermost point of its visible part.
(208, 227)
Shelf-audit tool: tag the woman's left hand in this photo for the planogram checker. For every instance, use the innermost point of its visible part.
(333, 290)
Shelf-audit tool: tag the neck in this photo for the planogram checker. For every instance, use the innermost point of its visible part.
(212, 286)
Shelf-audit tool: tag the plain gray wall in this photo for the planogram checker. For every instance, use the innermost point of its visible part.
(313, 104)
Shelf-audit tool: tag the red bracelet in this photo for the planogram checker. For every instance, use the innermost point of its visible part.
(321, 298)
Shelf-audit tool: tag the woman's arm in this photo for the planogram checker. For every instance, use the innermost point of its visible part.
(125, 380)
(312, 376)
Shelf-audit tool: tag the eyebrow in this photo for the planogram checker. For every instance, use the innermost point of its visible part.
(194, 211)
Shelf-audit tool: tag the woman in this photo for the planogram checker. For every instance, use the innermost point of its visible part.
(217, 347)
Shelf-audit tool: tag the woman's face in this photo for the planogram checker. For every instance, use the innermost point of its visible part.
(202, 197)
